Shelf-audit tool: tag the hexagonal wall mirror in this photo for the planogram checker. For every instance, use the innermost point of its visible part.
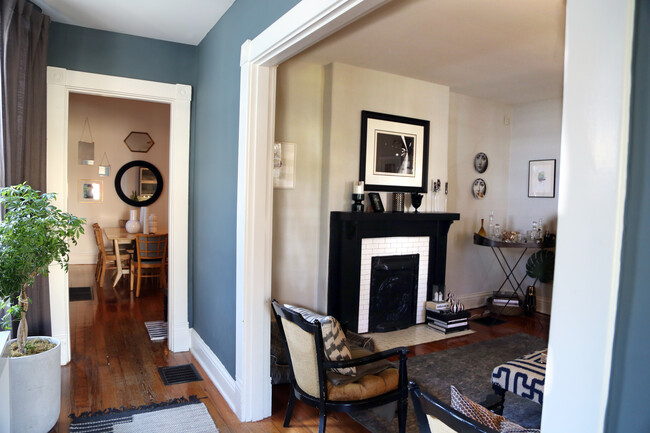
(139, 141)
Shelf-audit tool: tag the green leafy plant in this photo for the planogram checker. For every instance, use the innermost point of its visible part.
(541, 266)
(33, 234)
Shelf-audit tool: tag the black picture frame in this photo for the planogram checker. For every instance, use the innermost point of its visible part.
(375, 202)
(541, 178)
(394, 152)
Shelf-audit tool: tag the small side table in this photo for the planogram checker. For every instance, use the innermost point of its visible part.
(524, 376)
(507, 268)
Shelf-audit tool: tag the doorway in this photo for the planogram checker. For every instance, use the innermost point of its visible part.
(61, 83)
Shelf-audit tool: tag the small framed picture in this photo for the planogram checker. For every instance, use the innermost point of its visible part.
(541, 178)
(375, 202)
(480, 162)
(394, 152)
(91, 191)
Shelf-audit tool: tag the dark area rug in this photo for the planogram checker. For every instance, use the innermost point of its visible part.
(489, 321)
(468, 368)
(81, 294)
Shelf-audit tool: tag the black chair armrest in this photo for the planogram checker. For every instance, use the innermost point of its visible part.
(402, 351)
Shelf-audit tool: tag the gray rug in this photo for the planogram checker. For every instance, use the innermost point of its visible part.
(469, 368)
(179, 415)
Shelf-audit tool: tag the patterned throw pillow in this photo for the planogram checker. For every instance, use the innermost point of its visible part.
(335, 345)
(483, 415)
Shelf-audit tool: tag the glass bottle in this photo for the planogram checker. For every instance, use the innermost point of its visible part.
(481, 231)
(491, 225)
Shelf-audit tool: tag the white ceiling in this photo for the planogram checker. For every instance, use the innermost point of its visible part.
(510, 51)
(183, 21)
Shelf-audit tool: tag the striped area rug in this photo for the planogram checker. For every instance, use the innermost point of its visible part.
(157, 330)
(180, 415)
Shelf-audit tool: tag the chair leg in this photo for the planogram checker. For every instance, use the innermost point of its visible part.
(137, 285)
(131, 271)
(103, 274)
(292, 401)
(401, 414)
(322, 421)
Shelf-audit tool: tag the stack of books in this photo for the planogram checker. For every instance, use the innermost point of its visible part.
(437, 305)
(503, 299)
(446, 322)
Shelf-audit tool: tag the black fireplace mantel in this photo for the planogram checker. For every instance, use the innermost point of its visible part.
(347, 229)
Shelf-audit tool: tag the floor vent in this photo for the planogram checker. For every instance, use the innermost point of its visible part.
(179, 374)
(81, 294)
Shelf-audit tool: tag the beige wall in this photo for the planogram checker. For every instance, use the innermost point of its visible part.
(296, 222)
(475, 125)
(111, 120)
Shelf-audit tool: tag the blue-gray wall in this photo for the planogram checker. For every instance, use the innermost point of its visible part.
(627, 409)
(108, 53)
(214, 188)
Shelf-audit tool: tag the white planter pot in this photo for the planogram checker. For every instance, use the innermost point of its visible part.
(35, 389)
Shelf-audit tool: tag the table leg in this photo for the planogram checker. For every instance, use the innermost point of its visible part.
(118, 263)
(510, 271)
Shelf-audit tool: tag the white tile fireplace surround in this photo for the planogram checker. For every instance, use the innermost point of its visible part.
(392, 246)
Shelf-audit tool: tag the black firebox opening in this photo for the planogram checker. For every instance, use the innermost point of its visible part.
(393, 292)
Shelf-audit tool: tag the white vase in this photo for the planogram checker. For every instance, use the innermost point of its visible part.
(35, 382)
(133, 225)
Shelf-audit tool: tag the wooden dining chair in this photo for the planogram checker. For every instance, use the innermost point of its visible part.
(106, 258)
(149, 259)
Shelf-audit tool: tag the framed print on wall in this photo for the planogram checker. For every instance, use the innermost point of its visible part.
(541, 178)
(91, 191)
(394, 153)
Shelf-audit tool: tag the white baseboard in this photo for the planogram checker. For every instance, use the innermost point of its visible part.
(218, 374)
(477, 300)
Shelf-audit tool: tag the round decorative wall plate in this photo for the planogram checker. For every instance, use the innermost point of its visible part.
(479, 189)
(480, 162)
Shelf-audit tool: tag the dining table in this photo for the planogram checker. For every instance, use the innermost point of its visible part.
(119, 235)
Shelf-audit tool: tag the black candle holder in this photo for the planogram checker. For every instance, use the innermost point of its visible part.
(358, 206)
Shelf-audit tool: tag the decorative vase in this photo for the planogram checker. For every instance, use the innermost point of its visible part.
(481, 231)
(530, 301)
(398, 202)
(416, 200)
(133, 225)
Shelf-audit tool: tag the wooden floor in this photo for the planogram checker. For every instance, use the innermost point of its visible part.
(114, 363)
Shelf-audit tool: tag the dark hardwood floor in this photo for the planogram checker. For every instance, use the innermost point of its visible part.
(114, 363)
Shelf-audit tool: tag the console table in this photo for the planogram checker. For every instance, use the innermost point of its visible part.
(508, 269)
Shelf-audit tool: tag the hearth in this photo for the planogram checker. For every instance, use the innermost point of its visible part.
(393, 292)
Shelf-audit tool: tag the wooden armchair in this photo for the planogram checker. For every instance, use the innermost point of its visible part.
(434, 416)
(149, 260)
(313, 381)
(106, 258)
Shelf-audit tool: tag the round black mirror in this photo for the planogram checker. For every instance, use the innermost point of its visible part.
(138, 183)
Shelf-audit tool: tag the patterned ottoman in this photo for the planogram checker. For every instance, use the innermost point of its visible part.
(523, 376)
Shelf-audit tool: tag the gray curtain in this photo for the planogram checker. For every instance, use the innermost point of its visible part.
(23, 113)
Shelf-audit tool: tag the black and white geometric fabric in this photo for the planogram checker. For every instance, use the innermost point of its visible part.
(335, 345)
(523, 376)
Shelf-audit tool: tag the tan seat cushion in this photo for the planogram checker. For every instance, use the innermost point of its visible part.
(368, 386)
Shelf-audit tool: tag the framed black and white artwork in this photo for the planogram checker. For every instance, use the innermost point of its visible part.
(394, 153)
(375, 202)
(541, 178)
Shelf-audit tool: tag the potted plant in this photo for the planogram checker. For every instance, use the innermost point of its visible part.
(541, 267)
(33, 234)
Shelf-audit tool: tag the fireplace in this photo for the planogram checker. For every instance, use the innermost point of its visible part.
(393, 292)
(348, 296)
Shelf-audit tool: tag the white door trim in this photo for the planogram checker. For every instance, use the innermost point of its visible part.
(62, 82)
(307, 23)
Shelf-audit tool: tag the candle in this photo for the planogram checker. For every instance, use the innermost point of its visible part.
(357, 188)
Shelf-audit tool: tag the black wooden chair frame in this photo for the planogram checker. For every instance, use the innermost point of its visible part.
(400, 395)
(424, 403)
